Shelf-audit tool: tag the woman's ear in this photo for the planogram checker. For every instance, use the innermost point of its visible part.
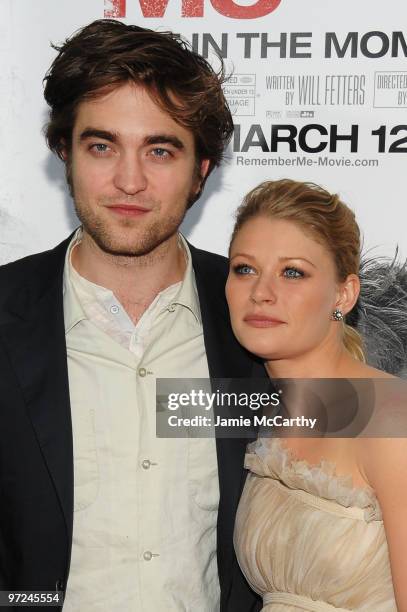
(348, 293)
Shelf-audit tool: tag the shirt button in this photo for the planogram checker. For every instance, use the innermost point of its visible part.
(148, 555)
(114, 309)
(142, 371)
(146, 464)
(171, 308)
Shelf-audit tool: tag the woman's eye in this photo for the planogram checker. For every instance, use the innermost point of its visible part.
(243, 269)
(293, 273)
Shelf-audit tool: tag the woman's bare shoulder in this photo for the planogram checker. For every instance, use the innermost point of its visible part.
(363, 370)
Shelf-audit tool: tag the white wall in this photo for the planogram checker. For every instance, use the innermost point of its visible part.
(35, 210)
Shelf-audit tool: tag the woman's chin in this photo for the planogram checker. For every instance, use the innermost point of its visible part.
(260, 349)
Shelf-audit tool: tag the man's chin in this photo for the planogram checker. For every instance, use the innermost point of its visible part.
(136, 247)
(125, 250)
(131, 241)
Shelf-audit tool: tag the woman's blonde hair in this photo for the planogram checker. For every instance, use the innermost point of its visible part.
(320, 214)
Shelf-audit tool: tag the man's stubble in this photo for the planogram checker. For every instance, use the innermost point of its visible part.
(119, 242)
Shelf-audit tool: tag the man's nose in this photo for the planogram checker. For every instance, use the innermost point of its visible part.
(263, 291)
(130, 174)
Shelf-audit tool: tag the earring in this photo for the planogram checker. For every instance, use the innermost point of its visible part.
(337, 315)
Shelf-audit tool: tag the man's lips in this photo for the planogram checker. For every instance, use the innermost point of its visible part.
(258, 320)
(128, 210)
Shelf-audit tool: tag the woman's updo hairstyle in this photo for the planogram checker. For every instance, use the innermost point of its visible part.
(321, 215)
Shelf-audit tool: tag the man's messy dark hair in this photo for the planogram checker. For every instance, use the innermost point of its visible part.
(107, 54)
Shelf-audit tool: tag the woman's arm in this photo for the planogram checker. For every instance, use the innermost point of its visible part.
(384, 462)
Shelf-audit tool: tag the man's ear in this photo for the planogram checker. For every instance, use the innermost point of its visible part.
(205, 163)
(63, 150)
(348, 293)
(202, 173)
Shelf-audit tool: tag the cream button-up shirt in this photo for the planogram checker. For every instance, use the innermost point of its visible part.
(145, 508)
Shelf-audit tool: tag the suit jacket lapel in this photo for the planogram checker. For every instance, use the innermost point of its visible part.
(35, 341)
(226, 359)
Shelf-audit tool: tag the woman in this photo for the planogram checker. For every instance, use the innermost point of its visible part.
(321, 522)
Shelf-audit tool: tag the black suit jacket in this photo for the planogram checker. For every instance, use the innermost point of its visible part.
(36, 450)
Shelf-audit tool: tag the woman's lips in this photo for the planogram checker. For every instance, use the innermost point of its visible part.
(128, 210)
(262, 321)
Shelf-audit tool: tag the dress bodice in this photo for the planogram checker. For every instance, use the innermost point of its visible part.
(306, 539)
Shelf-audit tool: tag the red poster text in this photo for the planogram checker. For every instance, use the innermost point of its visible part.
(194, 8)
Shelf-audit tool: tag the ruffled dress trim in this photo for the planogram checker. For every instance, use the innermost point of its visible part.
(268, 457)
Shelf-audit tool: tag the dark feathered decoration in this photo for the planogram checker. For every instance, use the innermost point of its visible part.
(380, 315)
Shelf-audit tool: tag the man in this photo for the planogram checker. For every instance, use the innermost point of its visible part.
(92, 502)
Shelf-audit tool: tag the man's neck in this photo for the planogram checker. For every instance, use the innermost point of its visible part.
(135, 281)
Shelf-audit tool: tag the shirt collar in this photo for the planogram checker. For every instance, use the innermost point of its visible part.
(73, 311)
(186, 294)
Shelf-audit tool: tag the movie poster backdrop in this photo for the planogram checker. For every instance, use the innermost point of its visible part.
(318, 91)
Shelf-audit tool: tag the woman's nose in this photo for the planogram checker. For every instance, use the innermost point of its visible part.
(263, 291)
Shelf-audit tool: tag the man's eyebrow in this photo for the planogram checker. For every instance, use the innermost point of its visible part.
(156, 139)
(95, 133)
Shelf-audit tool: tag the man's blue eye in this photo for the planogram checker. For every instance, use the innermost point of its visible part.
(160, 152)
(293, 273)
(100, 147)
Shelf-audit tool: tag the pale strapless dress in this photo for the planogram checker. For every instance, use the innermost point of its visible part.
(307, 540)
